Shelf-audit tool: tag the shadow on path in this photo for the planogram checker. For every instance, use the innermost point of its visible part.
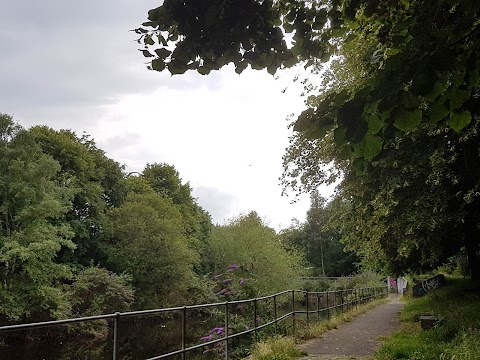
(359, 338)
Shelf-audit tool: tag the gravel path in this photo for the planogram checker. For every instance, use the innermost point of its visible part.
(357, 339)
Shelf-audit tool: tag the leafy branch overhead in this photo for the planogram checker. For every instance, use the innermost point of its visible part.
(423, 67)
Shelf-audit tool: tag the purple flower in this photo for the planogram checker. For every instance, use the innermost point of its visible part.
(225, 291)
(207, 351)
(232, 268)
(206, 338)
(247, 327)
(227, 281)
(217, 277)
(242, 281)
(218, 331)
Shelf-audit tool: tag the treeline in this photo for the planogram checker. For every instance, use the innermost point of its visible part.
(80, 236)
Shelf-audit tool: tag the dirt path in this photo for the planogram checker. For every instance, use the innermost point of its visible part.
(357, 339)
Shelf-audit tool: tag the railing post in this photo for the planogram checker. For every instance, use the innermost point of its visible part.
(308, 309)
(226, 330)
(184, 330)
(328, 308)
(318, 306)
(293, 311)
(115, 334)
(341, 300)
(255, 318)
(335, 302)
(275, 312)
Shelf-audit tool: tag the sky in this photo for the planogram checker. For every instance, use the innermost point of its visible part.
(76, 65)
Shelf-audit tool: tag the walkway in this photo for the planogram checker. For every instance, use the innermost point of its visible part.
(357, 339)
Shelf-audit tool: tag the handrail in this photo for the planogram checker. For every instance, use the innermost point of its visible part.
(346, 299)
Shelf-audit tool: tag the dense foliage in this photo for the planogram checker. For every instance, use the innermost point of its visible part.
(396, 116)
(79, 236)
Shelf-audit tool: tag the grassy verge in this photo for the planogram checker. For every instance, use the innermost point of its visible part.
(456, 337)
(285, 347)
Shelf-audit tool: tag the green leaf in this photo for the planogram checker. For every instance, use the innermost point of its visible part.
(242, 65)
(438, 111)
(148, 40)
(162, 53)
(158, 64)
(203, 70)
(375, 124)
(373, 146)
(406, 120)
(146, 53)
(304, 120)
(473, 78)
(459, 119)
(392, 51)
(359, 166)
(458, 98)
(339, 136)
(437, 90)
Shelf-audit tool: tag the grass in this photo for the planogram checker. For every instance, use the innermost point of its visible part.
(456, 337)
(276, 348)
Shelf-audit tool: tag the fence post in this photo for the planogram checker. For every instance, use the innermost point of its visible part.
(293, 311)
(255, 318)
(308, 310)
(328, 307)
(115, 334)
(341, 300)
(226, 330)
(275, 311)
(318, 306)
(184, 330)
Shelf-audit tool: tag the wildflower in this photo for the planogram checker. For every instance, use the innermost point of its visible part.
(242, 281)
(218, 331)
(232, 268)
(247, 327)
(227, 281)
(207, 338)
(225, 292)
(217, 277)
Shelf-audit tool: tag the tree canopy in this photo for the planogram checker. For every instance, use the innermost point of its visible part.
(396, 116)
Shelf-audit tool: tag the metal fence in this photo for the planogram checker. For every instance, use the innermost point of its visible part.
(302, 307)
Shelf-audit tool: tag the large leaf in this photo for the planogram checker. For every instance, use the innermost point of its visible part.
(373, 146)
(304, 121)
(375, 124)
(438, 111)
(459, 119)
(406, 120)
(458, 98)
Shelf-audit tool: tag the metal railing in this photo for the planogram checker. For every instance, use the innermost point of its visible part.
(306, 303)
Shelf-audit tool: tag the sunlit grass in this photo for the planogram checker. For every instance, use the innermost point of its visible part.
(276, 348)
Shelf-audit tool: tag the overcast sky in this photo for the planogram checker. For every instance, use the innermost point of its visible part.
(75, 65)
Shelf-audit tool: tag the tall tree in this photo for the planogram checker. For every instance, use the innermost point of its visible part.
(33, 229)
(99, 184)
(150, 245)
